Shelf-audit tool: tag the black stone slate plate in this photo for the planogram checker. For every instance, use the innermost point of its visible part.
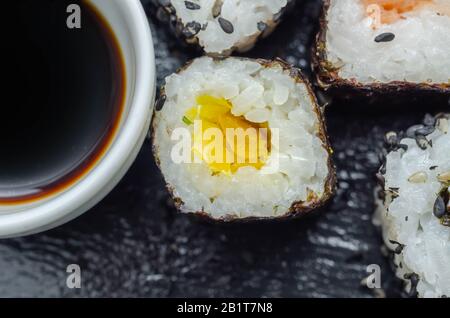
(135, 244)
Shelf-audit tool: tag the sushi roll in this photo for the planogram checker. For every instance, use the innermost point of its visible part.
(413, 206)
(384, 46)
(269, 157)
(222, 26)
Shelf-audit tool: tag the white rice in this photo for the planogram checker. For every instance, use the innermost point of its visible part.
(244, 15)
(409, 218)
(418, 54)
(260, 94)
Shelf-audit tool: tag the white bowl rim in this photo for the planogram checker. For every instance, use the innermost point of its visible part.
(67, 204)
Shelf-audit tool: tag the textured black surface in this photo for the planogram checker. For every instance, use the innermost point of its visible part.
(134, 243)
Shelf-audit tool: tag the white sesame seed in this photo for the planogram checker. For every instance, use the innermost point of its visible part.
(418, 177)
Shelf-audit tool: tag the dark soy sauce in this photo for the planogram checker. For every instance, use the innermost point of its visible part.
(62, 100)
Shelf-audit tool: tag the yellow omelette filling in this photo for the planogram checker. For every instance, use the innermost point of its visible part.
(215, 112)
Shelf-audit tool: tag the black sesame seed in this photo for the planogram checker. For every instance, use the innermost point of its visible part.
(414, 278)
(160, 102)
(403, 146)
(192, 6)
(433, 167)
(186, 33)
(429, 120)
(226, 25)
(394, 193)
(385, 37)
(411, 131)
(439, 209)
(425, 131)
(262, 26)
(191, 29)
(399, 247)
(422, 142)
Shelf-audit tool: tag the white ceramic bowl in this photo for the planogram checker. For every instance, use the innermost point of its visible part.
(129, 23)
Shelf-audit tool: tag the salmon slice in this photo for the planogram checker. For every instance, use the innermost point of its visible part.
(390, 11)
